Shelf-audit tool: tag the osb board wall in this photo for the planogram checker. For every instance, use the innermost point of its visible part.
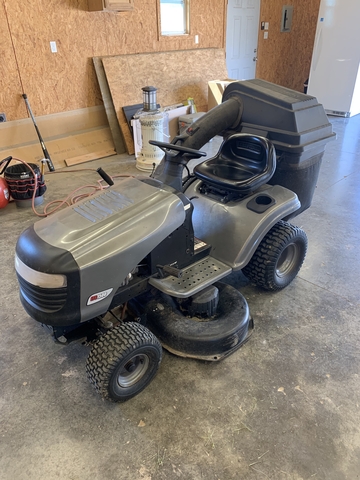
(10, 85)
(176, 74)
(285, 57)
(66, 80)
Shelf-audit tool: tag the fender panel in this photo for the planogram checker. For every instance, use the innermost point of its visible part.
(233, 230)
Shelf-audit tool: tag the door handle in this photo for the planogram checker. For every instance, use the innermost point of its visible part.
(255, 59)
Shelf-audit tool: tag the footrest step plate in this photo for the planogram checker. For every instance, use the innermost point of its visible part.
(195, 277)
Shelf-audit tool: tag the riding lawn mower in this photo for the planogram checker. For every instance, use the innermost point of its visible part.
(141, 265)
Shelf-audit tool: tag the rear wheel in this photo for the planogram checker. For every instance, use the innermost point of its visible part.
(279, 257)
(123, 361)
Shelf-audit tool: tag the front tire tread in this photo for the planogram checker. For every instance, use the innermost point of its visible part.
(115, 347)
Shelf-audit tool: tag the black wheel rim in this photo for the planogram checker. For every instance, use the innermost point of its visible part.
(133, 370)
(288, 261)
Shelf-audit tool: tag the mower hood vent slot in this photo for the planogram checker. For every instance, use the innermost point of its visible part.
(102, 206)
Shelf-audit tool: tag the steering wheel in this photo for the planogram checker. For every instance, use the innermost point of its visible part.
(179, 148)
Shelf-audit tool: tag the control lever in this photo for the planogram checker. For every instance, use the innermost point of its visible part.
(175, 272)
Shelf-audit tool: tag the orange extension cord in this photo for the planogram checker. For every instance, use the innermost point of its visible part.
(72, 198)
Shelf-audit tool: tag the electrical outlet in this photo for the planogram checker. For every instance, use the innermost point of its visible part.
(196, 39)
(2, 117)
(53, 47)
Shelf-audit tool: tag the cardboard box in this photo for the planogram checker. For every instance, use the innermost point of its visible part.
(173, 116)
(215, 91)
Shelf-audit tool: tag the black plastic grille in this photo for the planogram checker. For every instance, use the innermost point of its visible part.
(47, 300)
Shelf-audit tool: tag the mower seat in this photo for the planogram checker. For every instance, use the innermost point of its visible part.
(244, 163)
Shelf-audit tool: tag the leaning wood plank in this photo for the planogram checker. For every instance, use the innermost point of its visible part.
(89, 156)
(66, 147)
(177, 75)
(20, 132)
(109, 106)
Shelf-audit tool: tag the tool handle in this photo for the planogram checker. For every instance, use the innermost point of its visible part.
(6, 160)
(29, 108)
(105, 176)
(42, 143)
(48, 159)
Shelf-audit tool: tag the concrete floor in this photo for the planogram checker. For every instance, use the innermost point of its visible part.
(283, 407)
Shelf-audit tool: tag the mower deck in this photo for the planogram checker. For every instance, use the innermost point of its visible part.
(210, 339)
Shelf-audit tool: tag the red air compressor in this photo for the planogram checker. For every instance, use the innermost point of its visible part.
(4, 193)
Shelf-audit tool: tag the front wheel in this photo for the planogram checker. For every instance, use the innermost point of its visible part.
(278, 258)
(123, 361)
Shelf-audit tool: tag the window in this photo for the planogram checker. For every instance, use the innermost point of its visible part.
(174, 17)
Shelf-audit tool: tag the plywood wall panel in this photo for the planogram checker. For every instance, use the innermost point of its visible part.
(91, 145)
(177, 75)
(109, 106)
(66, 80)
(18, 132)
(284, 58)
(55, 81)
(67, 135)
(210, 28)
(10, 85)
(132, 32)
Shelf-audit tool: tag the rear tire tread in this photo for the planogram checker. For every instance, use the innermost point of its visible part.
(260, 269)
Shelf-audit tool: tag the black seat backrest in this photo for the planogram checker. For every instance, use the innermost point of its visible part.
(244, 163)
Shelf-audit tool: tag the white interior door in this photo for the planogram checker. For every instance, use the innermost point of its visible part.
(242, 38)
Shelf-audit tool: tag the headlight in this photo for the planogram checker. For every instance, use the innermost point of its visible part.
(43, 280)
